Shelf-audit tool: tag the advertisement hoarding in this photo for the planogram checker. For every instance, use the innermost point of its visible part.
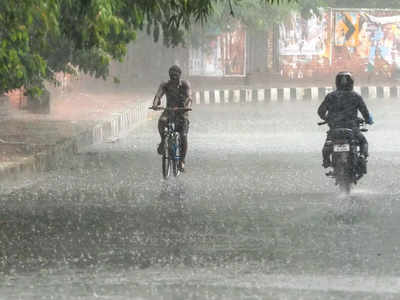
(368, 42)
(222, 56)
(365, 42)
(305, 45)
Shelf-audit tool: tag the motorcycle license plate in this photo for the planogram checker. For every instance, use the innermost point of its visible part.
(341, 148)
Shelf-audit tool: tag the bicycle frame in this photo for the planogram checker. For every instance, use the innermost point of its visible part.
(171, 137)
(172, 143)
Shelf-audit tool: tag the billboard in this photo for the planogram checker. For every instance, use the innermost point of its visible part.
(221, 55)
(305, 45)
(206, 60)
(304, 37)
(365, 42)
(368, 42)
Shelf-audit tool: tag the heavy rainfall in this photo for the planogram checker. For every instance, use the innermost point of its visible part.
(86, 211)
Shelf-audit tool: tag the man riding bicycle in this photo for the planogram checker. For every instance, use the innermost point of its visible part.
(340, 109)
(178, 95)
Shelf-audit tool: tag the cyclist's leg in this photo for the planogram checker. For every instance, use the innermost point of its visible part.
(162, 123)
(183, 129)
(185, 143)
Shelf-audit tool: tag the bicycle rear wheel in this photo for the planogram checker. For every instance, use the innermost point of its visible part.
(175, 167)
(166, 167)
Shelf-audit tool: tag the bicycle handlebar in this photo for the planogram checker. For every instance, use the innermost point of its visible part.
(182, 109)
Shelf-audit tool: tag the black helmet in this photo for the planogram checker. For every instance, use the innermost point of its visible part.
(174, 69)
(344, 81)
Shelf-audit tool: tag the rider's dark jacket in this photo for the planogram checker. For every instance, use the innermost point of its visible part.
(340, 109)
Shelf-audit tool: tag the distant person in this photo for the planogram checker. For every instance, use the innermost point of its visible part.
(340, 110)
(178, 95)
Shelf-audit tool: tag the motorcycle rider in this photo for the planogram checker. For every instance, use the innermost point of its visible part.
(339, 109)
(178, 95)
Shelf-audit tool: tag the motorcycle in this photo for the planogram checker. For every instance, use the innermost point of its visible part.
(347, 164)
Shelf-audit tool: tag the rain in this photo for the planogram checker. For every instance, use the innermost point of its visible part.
(252, 216)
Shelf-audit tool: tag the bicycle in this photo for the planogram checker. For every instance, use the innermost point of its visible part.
(171, 156)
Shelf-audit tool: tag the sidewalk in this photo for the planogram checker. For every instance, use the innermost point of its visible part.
(37, 142)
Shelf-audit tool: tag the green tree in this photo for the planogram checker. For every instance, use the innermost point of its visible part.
(41, 37)
(256, 15)
(21, 63)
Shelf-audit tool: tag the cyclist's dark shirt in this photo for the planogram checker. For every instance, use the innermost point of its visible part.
(340, 109)
(177, 94)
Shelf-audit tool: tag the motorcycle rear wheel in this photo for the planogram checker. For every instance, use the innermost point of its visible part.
(343, 179)
(345, 187)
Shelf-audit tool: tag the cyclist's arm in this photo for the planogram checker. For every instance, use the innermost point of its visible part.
(159, 94)
(188, 102)
(188, 95)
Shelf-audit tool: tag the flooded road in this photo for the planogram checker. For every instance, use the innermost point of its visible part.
(253, 217)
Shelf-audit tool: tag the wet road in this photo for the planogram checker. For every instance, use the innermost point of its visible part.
(253, 217)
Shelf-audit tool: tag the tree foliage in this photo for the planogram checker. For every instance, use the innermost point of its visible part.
(24, 29)
(256, 15)
(41, 37)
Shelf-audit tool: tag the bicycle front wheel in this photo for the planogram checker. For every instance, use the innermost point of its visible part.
(175, 157)
(166, 167)
(166, 162)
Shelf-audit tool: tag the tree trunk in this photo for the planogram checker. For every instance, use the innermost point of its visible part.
(39, 104)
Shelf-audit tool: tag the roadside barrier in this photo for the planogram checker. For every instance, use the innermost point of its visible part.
(245, 95)
(120, 122)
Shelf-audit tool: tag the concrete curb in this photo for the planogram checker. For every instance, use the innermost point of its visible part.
(62, 151)
(120, 122)
(247, 95)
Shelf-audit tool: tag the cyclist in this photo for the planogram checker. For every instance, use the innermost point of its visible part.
(340, 109)
(178, 95)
